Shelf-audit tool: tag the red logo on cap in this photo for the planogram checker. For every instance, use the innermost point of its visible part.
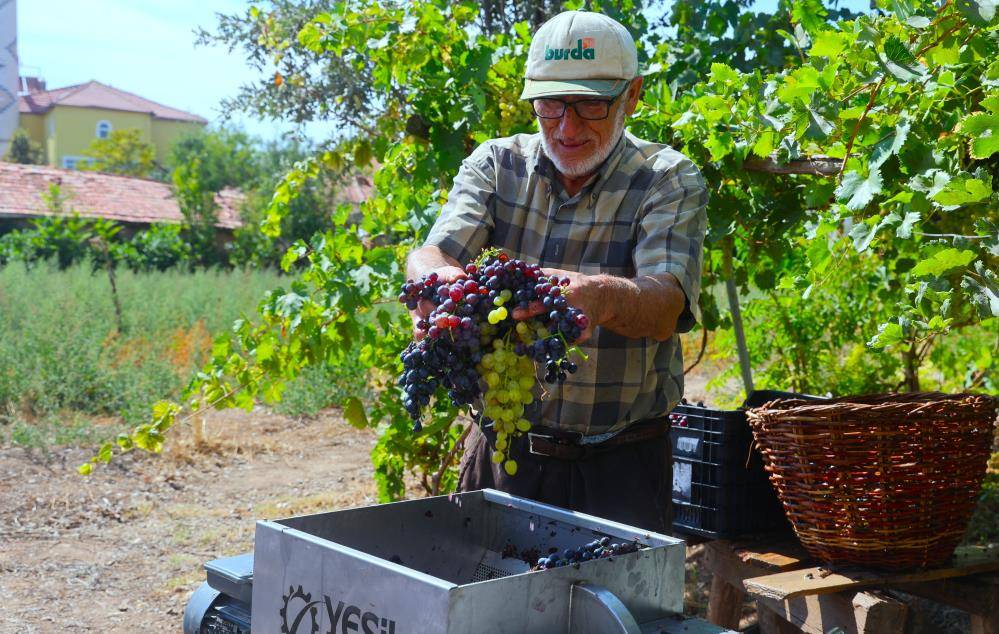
(587, 42)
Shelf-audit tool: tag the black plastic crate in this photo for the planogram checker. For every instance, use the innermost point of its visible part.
(720, 488)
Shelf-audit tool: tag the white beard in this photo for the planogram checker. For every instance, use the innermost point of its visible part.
(585, 166)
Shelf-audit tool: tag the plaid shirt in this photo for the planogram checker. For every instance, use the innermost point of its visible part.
(642, 213)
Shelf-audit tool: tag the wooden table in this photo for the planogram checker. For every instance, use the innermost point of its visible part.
(794, 594)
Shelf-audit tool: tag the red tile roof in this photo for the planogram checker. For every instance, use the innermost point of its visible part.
(96, 195)
(94, 94)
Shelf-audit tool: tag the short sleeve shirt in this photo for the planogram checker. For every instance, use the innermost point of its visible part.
(642, 213)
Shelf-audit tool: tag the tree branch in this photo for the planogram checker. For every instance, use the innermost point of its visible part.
(860, 121)
(700, 355)
(447, 460)
(813, 165)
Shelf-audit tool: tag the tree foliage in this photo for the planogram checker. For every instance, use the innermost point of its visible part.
(23, 150)
(123, 152)
(865, 277)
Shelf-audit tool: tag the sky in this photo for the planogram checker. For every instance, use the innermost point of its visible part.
(142, 46)
(147, 47)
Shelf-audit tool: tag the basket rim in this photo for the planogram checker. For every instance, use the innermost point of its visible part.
(908, 402)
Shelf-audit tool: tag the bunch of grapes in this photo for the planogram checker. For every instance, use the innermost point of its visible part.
(597, 549)
(474, 349)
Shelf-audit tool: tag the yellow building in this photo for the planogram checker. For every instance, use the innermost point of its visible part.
(65, 120)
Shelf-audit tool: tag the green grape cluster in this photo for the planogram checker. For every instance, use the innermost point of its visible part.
(509, 380)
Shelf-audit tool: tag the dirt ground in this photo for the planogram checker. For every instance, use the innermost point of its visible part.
(122, 550)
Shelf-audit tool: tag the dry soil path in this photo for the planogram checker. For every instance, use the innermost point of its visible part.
(122, 550)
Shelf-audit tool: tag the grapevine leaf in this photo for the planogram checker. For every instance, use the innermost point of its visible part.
(889, 334)
(862, 234)
(723, 74)
(899, 62)
(963, 189)
(353, 411)
(904, 230)
(764, 144)
(984, 130)
(810, 14)
(892, 144)
(990, 231)
(857, 191)
(828, 44)
(818, 254)
(918, 21)
(984, 293)
(944, 261)
(991, 103)
(789, 150)
(930, 182)
(903, 9)
(978, 12)
(799, 85)
(947, 53)
(818, 126)
(408, 24)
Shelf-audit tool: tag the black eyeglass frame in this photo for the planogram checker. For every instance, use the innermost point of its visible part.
(567, 104)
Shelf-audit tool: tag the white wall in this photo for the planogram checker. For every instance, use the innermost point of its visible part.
(8, 72)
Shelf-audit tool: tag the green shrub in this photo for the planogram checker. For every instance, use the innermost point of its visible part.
(63, 356)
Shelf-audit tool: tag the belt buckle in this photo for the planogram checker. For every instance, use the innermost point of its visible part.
(531, 437)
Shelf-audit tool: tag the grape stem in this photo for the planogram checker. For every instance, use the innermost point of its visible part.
(577, 350)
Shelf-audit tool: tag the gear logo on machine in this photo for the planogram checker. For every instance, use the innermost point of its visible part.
(298, 606)
(300, 615)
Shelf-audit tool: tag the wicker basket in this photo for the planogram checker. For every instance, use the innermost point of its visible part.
(887, 481)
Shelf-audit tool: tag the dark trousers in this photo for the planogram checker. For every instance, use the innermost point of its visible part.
(631, 484)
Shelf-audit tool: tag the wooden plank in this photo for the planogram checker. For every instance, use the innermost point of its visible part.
(732, 562)
(853, 613)
(822, 580)
(772, 557)
(736, 561)
(771, 622)
(725, 603)
(975, 595)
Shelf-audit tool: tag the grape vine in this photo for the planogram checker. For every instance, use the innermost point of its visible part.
(853, 201)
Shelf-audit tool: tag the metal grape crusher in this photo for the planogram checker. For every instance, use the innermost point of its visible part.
(455, 564)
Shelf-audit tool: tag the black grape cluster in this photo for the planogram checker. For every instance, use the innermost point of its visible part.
(596, 549)
(473, 348)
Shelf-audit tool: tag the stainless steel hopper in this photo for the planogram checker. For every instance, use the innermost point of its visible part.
(458, 564)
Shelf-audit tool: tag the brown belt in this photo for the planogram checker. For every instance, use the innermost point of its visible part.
(573, 446)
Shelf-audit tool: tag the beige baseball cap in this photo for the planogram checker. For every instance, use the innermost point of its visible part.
(580, 53)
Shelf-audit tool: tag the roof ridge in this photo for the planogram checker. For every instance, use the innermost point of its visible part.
(69, 90)
(145, 100)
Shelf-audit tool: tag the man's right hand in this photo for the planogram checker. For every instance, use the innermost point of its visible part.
(446, 273)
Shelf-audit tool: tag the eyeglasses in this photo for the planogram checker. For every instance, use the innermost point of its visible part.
(589, 109)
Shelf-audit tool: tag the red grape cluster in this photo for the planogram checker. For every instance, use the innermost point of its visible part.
(474, 348)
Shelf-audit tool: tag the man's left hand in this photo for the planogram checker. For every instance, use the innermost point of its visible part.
(582, 292)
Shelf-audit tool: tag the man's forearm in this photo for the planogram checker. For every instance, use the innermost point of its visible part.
(646, 306)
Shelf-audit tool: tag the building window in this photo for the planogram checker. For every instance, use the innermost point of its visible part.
(73, 162)
(103, 129)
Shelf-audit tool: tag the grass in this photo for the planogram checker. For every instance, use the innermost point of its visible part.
(68, 376)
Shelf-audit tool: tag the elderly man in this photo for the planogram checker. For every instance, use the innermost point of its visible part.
(624, 219)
